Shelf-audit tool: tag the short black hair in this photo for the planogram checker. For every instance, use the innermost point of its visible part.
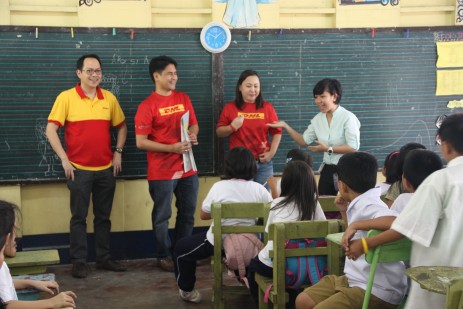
(80, 61)
(419, 164)
(389, 165)
(451, 131)
(158, 64)
(299, 155)
(358, 171)
(240, 164)
(333, 86)
(399, 163)
(7, 220)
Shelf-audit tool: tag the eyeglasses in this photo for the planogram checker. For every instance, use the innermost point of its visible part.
(90, 72)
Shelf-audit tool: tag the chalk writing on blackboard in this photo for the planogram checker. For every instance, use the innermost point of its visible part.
(48, 157)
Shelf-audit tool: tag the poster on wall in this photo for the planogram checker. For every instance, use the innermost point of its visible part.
(383, 2)
(242, 13)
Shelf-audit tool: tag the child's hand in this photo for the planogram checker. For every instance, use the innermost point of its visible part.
(347, 236)
(341, 203)
(355, 249)
(50, 287)
(64, 300)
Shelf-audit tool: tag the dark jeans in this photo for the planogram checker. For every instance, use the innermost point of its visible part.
(187, 251)
(100, 185)
(162, 191)
(327, 184)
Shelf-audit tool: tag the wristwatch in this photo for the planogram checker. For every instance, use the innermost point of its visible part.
(119, 150)
(330, 151)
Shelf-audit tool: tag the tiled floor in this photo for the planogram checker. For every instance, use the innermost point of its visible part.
(142, 286)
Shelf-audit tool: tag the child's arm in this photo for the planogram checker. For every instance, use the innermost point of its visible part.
(355, 248)
(272, 183)
(49, 287)
(62, 300)
(342, 205)
(381, 223)
(205, 215)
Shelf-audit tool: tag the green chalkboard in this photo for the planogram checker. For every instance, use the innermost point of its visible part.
(389, 83)
(33, 71)
(389, 80)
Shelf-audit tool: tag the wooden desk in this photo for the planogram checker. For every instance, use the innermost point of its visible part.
(32, 262)
(336, 238)
(435, 278)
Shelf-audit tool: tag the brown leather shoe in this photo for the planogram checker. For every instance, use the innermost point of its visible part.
(79, 270)
(165, 264)
(110, 265)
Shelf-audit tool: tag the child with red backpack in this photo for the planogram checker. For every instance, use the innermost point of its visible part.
(237, 187)
(298, 202)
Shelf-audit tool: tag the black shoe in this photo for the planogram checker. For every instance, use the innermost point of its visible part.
(110, 265)
(79, 270)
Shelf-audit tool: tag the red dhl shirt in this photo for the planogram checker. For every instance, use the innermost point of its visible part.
(159, 117)
(254, 132)
(87, 125)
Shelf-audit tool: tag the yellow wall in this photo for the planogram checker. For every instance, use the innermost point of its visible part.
(45, 207)
(195, 14)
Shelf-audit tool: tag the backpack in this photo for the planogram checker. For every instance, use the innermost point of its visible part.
(305, 269)
(240, 249)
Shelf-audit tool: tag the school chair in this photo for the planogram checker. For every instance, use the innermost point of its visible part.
(32, 262)
(280, 233)
(446, 280)
(396, 251)
(327, 203)
(259, 211)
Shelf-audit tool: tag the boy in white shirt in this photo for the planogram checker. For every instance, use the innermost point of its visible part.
(358, 200)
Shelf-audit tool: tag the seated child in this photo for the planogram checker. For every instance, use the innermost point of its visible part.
(388, 171)
(396, 187)
(292, 155)
(7, 284)
(298, 202)
(358, 199)
(432, 217)
(240, 169)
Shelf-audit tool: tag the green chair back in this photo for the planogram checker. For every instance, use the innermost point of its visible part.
(259, 211)
(396, 251)
(280, 233)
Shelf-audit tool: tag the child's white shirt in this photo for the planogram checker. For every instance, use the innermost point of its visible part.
(288, 213)
(401, 202)
(7, 290)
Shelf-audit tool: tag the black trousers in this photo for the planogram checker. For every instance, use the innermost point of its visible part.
(327, 184)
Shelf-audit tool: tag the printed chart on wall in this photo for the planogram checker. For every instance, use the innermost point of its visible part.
(389, 81)
(36, 66)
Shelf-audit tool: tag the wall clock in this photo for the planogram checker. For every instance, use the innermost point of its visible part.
(215, 37)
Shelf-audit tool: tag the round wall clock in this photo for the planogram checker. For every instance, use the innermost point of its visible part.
(215, 37)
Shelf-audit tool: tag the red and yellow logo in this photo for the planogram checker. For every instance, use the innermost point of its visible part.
(252, 115)
(172, 110)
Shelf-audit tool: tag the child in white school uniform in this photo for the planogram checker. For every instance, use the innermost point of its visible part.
(298, 202)
(432, 218)
(388, 172)
(359, 199)
(8, 297)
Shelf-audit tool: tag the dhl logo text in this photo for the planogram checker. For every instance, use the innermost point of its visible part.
(172, 110)
(252, 115)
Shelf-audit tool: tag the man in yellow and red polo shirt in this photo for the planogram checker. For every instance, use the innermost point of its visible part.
(87, 113)
(157, 129)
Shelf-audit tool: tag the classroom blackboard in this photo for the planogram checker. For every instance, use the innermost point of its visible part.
(388, 79)
(34, 70)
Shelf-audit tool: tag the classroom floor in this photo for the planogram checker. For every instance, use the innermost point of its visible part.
(142, 286)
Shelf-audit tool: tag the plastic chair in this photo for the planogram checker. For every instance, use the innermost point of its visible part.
(221, 211)
(280, 233)
(396, 251)
(454, 298)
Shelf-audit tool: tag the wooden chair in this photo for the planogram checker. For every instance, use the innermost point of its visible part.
(327, 203)
(280, 233)
(221, 211)
(32, 262)
(396, 251)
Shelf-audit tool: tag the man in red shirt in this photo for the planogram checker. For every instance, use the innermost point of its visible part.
(158, 131)
(87, 112)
